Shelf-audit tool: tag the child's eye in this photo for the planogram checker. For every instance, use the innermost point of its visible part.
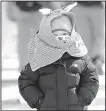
(55, 34)
(65, 34)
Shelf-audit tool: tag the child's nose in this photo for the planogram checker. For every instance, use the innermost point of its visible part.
(60, 38)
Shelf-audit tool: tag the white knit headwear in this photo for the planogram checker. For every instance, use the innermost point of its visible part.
(44, 49)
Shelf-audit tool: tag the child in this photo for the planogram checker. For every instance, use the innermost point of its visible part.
(59, 75)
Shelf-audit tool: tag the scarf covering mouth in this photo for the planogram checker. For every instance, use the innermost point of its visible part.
(44, 49)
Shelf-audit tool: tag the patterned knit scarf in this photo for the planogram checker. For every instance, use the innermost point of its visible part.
(44, 49)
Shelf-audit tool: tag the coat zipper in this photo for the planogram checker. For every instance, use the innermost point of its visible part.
(57, 84)
(64, 65)
(56, 93)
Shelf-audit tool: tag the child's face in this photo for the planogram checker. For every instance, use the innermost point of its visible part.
(61, 28)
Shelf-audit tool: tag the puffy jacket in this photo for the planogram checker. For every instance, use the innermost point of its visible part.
(71, 83)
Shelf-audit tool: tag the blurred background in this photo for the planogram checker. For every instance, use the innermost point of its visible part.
(20, 22)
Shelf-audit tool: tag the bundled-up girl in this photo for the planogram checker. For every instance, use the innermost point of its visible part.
(59, 74)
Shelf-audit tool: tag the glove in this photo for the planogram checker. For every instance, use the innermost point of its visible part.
(39, 103)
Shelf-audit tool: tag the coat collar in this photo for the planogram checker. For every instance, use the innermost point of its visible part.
(66, 56)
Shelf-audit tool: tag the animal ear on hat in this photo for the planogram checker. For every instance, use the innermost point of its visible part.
(69, 7)
(45, 11)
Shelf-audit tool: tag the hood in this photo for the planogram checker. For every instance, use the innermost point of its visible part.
(45, 32)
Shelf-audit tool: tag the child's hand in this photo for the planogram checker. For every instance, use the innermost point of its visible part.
(74, 69)
(39, 102)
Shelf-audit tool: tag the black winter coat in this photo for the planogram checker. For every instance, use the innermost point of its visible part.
(71, 83)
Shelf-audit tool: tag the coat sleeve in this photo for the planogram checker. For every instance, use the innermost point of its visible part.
(29, 88)
(89, 83)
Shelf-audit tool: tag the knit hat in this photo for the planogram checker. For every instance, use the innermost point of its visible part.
(44, 49)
